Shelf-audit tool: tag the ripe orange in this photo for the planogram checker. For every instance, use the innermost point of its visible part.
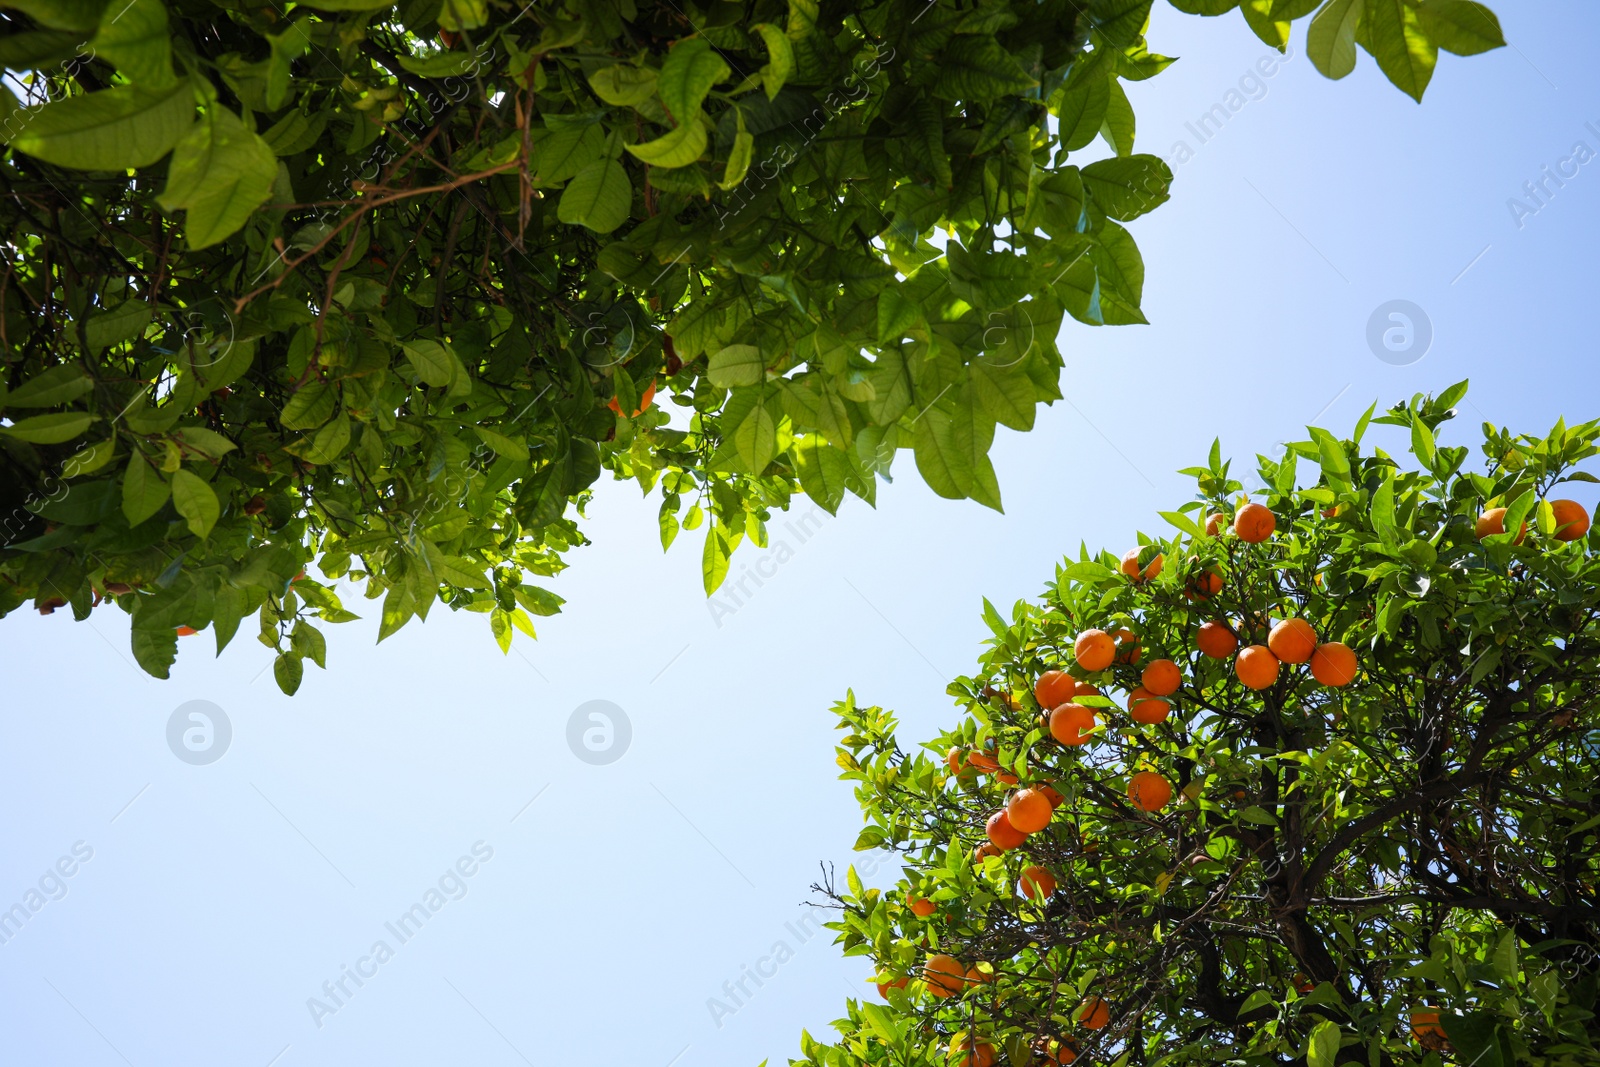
(921, 906)
(1303, 984)
(187, 631)
(1216, 640)
(1493, 521)
(1149, 791)
(1292, 640)
(1002, 835)
(1051, 794)
(983, 852)
(1070, 724)
(976, 976)
(952, 759)
(1094, 1013)
(1146, 708)
(1254, 523)
(972, 1053)
(898, 983)
(1257, 667)
(945, 975)
(1130, 566)
(1333, 664)
(983, 760)
(1029, 810)
(1204, 586)
(1425, 1023)
(1084, 689)
(1572, 521)
(1127, 647)
(1214, 523)
(1054, 688)
(1005, 776)
(1037, 883)
(1064, 1051)
(644, 402)
(1162, 677)
(1094, 650)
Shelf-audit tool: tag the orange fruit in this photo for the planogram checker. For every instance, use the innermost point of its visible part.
(1149, 791)
(1216, 640)
(1254, 523)
(1064, 1051)
(1257, 667)
(1204, 586)
(1070, 724)
(1214, 523)
(944, 975)
(1127, 647)
(1292, 640)
(1146, 707)
(1094, 650)
(971, 1053)
(976, 976)
(1572, 521)
(1094, 1013)
(1162, 677)
(1130, 565)
(1029, 810)
(1054, 688)
(1425, 1023)
(1303, 984)
(1493, 521)
(1037, 883)
(1333, 663)
(898, 983)
(1006, 776)
(1002, 835)
(921, 906)
(187, 631)
(952, 759)
(983, 852)
(1052, 795)
(983, 760)
(644, 401)
(1084, 689)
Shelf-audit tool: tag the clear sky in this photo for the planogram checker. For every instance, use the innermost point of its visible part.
(608, 903)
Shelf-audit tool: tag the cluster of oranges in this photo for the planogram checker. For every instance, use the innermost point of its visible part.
(1572, 522)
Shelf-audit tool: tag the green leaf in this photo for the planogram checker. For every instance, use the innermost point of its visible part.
(133, 36)
(1475, 1037)
(327, 444)
(1382, 511)
(52, 429)
(434, 363)
(1005, 391)
(599, 196)
(310, 406)
(144, 492)
(780, 57)
(977, 68)
(679, 148)
(1274, 32)
(195, 501)
(287, 47)
(503, 445)
(1258, 815)
(1462, 27)
(713, 560)
(1504, 958)
(115, 325)
(1128, 187)
(1119, 125)
(207, 442)
(1081, 106)
(1184, 523)
(113, 129)
(945, 457)
(1322, 1046)
(457, 15)
(56, 386)
(1397, 41)
(739, 156)
(691, 69)
(824, 471)
(80, 15)
(288, 671)
(736, 365)
(1331, 38)
(220, 173)
(623, 85)
(155, 650)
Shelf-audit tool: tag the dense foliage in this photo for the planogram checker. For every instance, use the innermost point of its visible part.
(386, 287)
(1386, 854)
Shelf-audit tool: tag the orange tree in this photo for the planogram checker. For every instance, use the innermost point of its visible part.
(1313, 780)
(387, 286)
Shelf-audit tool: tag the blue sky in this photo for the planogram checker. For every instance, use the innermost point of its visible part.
(608, 903)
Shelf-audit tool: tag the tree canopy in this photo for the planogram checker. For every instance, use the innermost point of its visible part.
(1315, 784)
(385, 287)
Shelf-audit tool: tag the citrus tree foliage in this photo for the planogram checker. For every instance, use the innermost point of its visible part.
(386, 287)
(1397, 870)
